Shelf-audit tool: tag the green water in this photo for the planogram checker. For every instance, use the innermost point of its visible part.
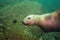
(50, 5)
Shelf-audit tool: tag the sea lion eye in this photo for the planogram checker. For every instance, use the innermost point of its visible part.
(28, 18)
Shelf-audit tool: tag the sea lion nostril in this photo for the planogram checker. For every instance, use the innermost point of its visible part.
(24, 23)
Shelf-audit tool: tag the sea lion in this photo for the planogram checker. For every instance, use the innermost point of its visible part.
(48, 22)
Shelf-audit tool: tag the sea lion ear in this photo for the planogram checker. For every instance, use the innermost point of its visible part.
(58, 12)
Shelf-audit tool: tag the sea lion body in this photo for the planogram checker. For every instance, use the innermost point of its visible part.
(47, 22)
